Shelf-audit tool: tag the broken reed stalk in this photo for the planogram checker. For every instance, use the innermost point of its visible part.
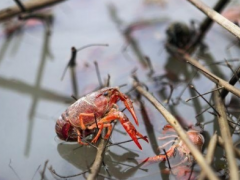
(236, 150)
(29, 7)
(182, 55)
(226, 135)
(228, 25)
(210, 154)
(74, 81)
(180, 131)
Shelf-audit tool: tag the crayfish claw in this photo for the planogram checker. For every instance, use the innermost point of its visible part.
(133, 133)
(128, 103)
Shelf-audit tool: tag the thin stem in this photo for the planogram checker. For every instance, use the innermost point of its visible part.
(169, 166)
(13, 170)
(36, 171)
(122, 142)
(56, 174)
(189, 99)
(44, 170)
(98, 74)
(90, 45)
(191, 86)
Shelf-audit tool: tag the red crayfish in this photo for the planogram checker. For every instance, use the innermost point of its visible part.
(96, 110)
(195, 136)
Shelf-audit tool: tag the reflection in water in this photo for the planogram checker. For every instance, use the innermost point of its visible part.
(12, 29)
(149, 127)
(119, 166)
(45, 53)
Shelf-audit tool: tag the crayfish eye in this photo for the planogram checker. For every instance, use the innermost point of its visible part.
(105, 93)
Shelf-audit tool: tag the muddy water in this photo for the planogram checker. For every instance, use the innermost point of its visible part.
(32, 94)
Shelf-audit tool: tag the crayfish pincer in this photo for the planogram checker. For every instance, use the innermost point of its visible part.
(96, 110)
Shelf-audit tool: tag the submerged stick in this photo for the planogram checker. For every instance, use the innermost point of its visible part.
(210, 153)
(224, 22)
(180, 131)
(226, 135)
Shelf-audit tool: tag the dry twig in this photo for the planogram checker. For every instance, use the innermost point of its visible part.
(182, 134)
(210, 153)
(226, 135)
(29, 7)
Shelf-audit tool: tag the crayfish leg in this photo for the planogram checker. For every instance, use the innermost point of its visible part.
(167, 143)
(162, 157)
(81, 115)
(168, 128)
(79, 138)
(100, 126)
(109, 131)
(130, 129)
